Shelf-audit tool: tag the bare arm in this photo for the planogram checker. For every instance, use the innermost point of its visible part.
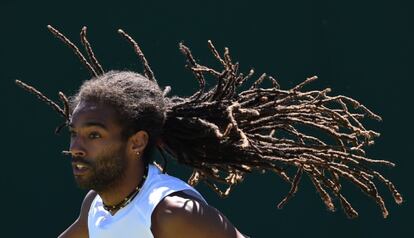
(180, 215)
(79, 229)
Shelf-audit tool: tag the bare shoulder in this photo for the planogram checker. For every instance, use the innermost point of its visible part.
(181, 215)
(86, 204)
(79, 228)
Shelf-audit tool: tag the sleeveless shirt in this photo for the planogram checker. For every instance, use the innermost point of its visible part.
(134, 220)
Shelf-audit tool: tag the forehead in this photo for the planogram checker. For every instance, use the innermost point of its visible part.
(87, 112)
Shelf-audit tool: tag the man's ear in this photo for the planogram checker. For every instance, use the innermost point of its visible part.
(139, 141)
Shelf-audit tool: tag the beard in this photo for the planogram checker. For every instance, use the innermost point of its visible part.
(103, 171)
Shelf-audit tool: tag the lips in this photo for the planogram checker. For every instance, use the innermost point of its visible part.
(80, 168)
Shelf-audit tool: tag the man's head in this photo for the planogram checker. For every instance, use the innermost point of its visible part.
(115, 117)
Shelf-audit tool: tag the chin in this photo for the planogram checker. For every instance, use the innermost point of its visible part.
(83, 183)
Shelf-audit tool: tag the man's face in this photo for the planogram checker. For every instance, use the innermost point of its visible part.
(99, 152)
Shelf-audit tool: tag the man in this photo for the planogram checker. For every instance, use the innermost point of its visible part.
(109, 145)
(117, 118)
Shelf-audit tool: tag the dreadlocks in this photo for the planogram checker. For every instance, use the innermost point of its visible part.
(225, 132)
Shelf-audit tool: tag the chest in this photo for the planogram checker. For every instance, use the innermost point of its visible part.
(125, 223)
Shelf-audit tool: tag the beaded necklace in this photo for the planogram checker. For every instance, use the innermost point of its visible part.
(129, 198)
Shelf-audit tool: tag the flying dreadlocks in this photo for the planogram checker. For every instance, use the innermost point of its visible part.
(223, 132)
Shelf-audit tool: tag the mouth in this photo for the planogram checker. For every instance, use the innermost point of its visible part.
(79, 168)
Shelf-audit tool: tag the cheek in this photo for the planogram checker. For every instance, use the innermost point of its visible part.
(107, 149)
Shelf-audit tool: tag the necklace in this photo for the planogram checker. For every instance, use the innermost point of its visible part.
(129, 198)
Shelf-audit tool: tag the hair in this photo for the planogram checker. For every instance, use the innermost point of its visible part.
(224, 133)
(138, 101)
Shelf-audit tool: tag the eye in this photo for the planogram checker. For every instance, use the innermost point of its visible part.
(94, 135)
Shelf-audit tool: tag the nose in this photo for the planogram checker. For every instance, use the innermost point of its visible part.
(76, 148)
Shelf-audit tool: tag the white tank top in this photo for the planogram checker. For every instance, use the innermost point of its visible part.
(134, 220)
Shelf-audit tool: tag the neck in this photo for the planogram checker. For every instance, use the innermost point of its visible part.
(117, 192)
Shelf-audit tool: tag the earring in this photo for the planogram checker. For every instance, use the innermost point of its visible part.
(138, 154)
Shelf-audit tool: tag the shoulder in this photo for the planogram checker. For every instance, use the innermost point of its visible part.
(86, 203)
(188, 216)
(158, 186)
(80, 227)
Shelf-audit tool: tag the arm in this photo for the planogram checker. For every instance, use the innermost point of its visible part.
(79, 228)
(181, 215)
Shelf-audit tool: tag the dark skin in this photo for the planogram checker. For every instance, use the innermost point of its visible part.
(95, 134)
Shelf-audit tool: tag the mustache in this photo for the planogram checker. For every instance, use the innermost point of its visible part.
(76, 158)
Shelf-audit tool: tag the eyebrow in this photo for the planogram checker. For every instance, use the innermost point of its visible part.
(91, 124)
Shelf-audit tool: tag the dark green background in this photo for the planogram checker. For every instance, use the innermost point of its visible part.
(363, 49)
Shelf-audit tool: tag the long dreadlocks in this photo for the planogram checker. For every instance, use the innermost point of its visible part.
(224, 132)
